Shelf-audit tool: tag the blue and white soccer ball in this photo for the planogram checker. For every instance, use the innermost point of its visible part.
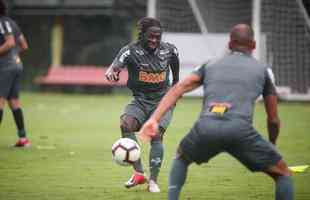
(125, 151)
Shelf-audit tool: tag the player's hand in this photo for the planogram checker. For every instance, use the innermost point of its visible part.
(148, 130)
(112, 75)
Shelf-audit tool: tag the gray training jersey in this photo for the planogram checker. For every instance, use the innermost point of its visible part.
(232, 84)
(11, 59)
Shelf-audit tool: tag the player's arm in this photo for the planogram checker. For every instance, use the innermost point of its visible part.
(271, 107)
(9, 40)
(175, 93)
(112, 73)
(120, 61)
(22, 43)
(9, 43)
(175, 65)
(150, 128)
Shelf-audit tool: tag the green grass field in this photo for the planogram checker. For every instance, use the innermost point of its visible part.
(70, 158)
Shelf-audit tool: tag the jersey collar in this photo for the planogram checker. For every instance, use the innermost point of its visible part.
(240, 53)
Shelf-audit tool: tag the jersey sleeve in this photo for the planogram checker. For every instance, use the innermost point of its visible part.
(121, 59)
(269, 85)
(173, 50)
(174, 54)
(9, 27)
(174, 63)
(16, 30)
(5, 27)
(200, 70)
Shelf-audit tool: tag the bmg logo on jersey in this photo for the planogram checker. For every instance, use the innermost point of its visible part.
(149, 77)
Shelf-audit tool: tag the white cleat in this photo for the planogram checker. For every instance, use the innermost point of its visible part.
(153, 187)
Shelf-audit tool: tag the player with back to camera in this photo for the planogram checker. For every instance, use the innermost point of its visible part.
(148, 62)
(231, 86)
(12, 42)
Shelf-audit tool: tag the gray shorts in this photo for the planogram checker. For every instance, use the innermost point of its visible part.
(10, 83)
(142, 110)
(210, 136)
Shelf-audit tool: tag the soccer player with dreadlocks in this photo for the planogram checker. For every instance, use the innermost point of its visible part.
(148, 61)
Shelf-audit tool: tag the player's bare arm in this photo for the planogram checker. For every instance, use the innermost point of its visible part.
(149, 129)
(273, 121)
(120, 61)
(22, 43)
(271, 107)
(175, 93)
(112, 74)
(8, 44)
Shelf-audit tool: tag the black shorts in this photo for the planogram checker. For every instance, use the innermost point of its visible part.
(237, 137)
(10, 83)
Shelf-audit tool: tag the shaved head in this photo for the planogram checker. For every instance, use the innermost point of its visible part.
(242, 38)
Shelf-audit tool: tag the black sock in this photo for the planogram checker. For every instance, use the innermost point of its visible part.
(19, 121)
(1, 115)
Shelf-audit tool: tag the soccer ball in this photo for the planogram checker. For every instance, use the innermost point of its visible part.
(125, 151)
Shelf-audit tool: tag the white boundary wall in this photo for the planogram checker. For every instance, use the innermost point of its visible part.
(196, 49)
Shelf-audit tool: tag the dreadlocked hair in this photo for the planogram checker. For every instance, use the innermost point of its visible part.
(3, 8)
(145, 23)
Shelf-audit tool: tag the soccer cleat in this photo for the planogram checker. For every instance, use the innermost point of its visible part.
(23, 142)
(153, 187)
(136, 179)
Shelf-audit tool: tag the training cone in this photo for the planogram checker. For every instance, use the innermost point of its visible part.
(298, 169)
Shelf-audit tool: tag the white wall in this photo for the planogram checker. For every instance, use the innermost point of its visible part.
(196, 49)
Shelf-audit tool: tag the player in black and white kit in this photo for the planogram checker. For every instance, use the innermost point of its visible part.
(231, 86)
(148, 62)
(12, 42)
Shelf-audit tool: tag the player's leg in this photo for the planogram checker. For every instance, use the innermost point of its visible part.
(5, 85)
(19, 121)
(155, 160)
(251, 149)
(131, 122)
(129, 125)
(15, 105)
(157, 152)
(178, 174)
(283, 181)
(202, 143)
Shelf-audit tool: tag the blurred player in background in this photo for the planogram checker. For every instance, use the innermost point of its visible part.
(231, 86)
(12, 42)
(148, 62)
